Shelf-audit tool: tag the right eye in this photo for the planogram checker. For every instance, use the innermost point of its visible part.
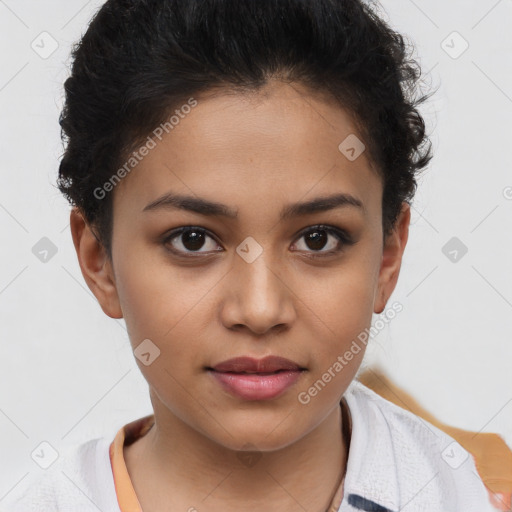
(188, 240)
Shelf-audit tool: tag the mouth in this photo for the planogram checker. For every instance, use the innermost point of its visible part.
(269, 364)
(256, 379)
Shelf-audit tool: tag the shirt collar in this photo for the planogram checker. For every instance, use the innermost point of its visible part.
(371, 480)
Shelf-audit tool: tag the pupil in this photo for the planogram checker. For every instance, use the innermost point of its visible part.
(193, 240)
(316, 240)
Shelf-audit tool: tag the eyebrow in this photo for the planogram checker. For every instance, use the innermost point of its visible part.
(212, 208)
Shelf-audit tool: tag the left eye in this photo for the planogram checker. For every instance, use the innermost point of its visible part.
(318, 237)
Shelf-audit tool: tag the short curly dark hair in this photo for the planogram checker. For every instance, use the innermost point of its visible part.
(140, 59)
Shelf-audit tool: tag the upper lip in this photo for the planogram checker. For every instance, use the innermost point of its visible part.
(249, 364)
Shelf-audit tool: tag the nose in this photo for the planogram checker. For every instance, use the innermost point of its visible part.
(258, 297)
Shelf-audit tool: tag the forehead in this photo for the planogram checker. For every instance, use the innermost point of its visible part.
(279, 145)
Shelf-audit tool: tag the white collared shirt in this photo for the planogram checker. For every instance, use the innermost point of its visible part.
(397, 463)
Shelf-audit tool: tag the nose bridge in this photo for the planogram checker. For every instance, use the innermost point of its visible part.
(255, 272)
(260, 298)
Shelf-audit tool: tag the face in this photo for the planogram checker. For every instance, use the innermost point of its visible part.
(277, 251)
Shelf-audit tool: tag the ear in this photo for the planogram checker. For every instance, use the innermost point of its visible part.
(95, 265)
(392, 253)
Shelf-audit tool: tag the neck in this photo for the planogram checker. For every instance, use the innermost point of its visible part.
(207, 476)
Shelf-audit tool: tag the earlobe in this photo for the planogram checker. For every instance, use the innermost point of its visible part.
(95, 265)
(392, 253)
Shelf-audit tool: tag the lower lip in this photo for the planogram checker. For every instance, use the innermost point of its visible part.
(257, 387)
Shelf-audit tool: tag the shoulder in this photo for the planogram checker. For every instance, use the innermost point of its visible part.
(80, 480)
(398, 458)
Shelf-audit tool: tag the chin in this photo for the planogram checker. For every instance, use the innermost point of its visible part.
(258, 435)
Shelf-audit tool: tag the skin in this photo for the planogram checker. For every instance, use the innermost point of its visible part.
(255, 153)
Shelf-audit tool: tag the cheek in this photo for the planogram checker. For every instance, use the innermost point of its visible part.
(165, 304)
(141, 299)
(345, 302)
(345, 310)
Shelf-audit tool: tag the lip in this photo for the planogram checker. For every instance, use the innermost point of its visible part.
(256, 379)
(251, 365)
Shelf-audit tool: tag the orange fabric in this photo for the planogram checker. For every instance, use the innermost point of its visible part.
(492, 456)
(126, 497)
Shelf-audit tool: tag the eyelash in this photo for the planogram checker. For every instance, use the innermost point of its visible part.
(343, 238)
